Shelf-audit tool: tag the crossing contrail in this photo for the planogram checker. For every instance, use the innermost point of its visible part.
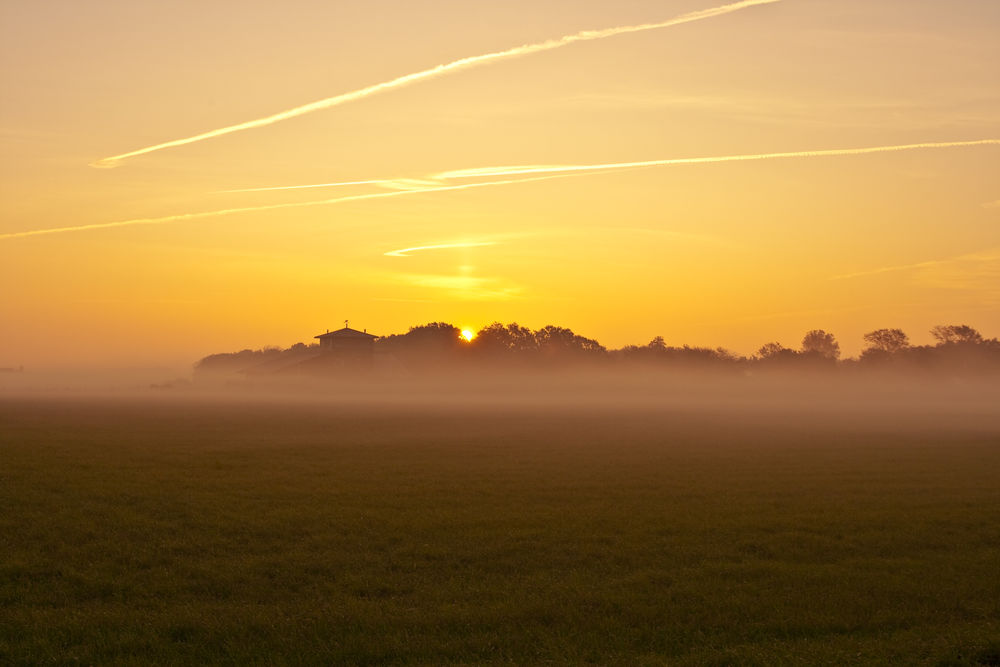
(513, 170)
(541, 172)
(455, 65)
(483, 172)
(180, 217)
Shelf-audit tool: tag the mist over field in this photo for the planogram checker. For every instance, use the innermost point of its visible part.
(439, 365)
(434, 499)
(669, 333)
(520, 522)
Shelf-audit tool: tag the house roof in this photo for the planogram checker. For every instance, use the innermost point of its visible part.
(345, 333)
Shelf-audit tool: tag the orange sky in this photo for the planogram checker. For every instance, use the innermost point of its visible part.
(729, 253)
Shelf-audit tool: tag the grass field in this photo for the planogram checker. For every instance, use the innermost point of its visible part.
(174, 532)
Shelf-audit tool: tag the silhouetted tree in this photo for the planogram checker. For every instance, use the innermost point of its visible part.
(440, 335)
(775, 351)
(821, 344)
(888, 341)
(960, 351)
(956, 334)
(499, 339)
(433, 344)
(553, 340)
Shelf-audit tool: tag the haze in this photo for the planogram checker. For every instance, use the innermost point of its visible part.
(732, 254)
(511, 333)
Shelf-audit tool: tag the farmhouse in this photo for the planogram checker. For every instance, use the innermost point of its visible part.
(347, 347)
(347, 340)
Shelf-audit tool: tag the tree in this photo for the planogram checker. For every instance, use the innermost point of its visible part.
(510, 338)
(440, 334)
(820, 343)
(436, 344)
(774, 351)
(956, 334)
(889, 341)
(559, 340)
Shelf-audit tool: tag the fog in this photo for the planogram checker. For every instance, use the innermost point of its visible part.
(903, 399)
(509, 367)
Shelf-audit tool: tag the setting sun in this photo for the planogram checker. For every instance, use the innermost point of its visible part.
(468, 334)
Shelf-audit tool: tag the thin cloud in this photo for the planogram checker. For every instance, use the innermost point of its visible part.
(967, 271)
(543, 233)
(887, 269)
(462, 63)
(992, 204)
(887, 113)
(405, 252)
(462, 287)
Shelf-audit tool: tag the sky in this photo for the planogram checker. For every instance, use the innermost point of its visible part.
(435, 224)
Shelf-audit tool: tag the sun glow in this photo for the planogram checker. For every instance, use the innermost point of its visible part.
(468, 335)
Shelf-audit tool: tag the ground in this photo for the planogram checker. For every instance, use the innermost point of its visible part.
(172, 532)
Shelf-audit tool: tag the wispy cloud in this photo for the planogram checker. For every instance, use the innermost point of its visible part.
(588, 232)
(462, 63)
(873, 113)
(467, 287)
(405, 252)
(976, 271)
(992, 204)
(886, 269)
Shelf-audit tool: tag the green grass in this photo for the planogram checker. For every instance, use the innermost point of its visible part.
(179, 533)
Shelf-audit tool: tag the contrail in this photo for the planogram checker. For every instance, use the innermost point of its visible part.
(512, 170)
(405, 252)
(462, 63)
(552, 171)
(483, 172)
(268, 207)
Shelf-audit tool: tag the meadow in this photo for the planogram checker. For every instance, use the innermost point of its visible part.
(175, 531)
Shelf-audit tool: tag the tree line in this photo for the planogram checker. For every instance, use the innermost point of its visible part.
(440, 345)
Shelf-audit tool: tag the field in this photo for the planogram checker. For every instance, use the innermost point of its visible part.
(173, 532)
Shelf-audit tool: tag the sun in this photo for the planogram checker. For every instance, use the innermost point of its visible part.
(468, 335)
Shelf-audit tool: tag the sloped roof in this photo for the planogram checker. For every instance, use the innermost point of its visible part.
(345, 333)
